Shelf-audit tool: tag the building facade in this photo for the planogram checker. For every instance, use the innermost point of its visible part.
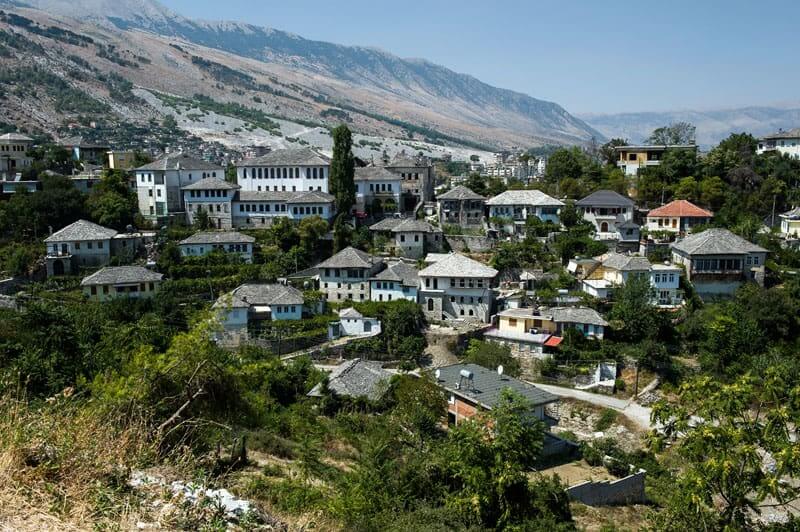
(133, 282)
(632, 158)
(14, 157)
(456, 287)
(398, 281)
(345, 276)
(214, 197)
(294, 170)
(784, 142)
(461, 206)
(203, 243)
(378, 191)
(605, 209)
(514, 207)
(678, 216)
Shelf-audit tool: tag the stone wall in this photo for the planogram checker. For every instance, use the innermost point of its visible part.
(478, 244)
(628, 490)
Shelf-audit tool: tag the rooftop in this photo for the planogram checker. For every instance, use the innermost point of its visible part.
(308, 196)
(486, 386)
(401, 272)
(793, 214)
(356, 378)
(460, 193)
(121, 275)
(349, 257)
(81, 230)
(656, 147)
(605, 198)
(180, 161)
(247, 295)
(350, 313)
(291, 157)
(375, 173)
(680, 208)
(15, 137)
(212, 183)
(81, 142)
(524, 197)
(218, 237)
(403, 225)
(716, 241)
(625, 263)
(457, 265)
(781, 134)
(577, 315)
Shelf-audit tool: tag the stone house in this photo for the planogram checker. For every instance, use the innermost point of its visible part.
(345, 276)
(133, 282)
(215, 197)
(411, 238)
(606, 209)
(514, 207)
(456, 287)
(203, 243)
(462, 207)
(85, 244)
(398, 281)
(249, 304)
(378, 190)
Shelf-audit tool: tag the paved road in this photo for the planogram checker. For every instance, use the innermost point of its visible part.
(635, 412)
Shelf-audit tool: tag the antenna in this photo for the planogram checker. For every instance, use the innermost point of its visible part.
(500, 370)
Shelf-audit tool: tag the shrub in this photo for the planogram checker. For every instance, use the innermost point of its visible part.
(607, 418)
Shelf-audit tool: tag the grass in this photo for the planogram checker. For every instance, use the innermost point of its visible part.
(606, 419)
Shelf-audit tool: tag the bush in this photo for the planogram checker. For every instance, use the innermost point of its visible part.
(607, 418)
(619, 385)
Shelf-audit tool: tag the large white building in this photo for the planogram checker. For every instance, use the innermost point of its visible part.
(85, 244)
(378, 190)
(456, 287)
(785, 142)
(159, 184)
(516, 206)
(294, 170)
(397, 281)
(14, 156)
(606, 210)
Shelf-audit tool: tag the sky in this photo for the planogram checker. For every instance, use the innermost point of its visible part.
(589, 56)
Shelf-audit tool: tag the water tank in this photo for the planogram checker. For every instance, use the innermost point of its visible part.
(467, 374)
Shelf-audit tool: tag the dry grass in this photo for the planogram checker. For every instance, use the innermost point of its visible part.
(65, 467)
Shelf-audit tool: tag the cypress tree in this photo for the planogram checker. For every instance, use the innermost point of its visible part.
(342, 184)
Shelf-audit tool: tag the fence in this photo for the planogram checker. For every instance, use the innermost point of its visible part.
(628, 490)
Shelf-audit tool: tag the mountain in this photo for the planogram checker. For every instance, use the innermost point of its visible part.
(360, 80)
(712, 126)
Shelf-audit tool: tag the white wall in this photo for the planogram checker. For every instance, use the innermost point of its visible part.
(302, 178)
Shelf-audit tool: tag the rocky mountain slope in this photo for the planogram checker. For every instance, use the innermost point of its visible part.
(295, 78)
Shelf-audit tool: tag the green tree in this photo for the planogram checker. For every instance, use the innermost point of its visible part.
(341, 234)
(675, 133)
(565, 163)
(607, 152)
(491, 355)
(111, 202)
(341, 182)
(635, 316)
(201, 219)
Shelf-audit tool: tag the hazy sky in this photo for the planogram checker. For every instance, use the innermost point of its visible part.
(589, 56)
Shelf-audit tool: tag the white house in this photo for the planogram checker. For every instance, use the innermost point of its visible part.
(215, 197)
(456, 287)
(784, 142)
(134, 282)
(80, 244)
(678, 216)
(159, 184)
(292, 170)
(249, 304)
(345, 276)
(517, 206)
(14, 157)
(412, 238)
(203, 243)
(608, 272)
(353, 323)
(255, 209)
(632, 158)
(397, 281)
(790, 223)
(717, 261)
(378, 190)
(606, 209)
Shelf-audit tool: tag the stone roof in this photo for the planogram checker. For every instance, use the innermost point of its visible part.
(576, 315)
(212, 183)
(186, 162)
(356, 378)
(403, 225)
(349, 257)
(460, 193)
(401, 272)
(121, 275)
(290, 157)
(407, 161)
(312, 196)
(81, 230)
(457, 265)
(350, 313)
(524, 197)
(625, 263)
(679, 208)
(605, 198)
(309, 196)
(486, 386)
(790, 134)
(247, 295)
(217, 237)
(15, 137)
(375, 173)
(716, 241)
(80, 142)
(793, 214)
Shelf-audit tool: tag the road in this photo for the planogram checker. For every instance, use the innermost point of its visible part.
(635, 412)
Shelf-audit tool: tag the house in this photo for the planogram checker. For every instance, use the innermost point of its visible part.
(259, 209)
(356, 378)
(514, 207)
(159, 185)
(790, 224)
(606, 210)
(462, 207)
(85, 181)
(412, 238)
(14, 155)
(398, 281)
(378, 190)
(783, 142)
(85, 244)
(292, 170)
(345, 276)
(250, 304)
(120, 159)
(418, 178)
(111, 282)
(203, 243)
(215, 197)
(613, 270)
(471, 388)
(456, 287)
(353, 323)
(678, 216)
(526, 332)
(717, 261)
(631, 158)
(85, 150)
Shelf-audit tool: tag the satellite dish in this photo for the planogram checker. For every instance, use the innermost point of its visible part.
(438, 374)
(500, 369)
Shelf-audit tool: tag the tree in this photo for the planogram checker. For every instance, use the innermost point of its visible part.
(565, 163)
(675, 133)
(569, 215)
(341, 234)
(111, 202)
(201, 219)
(477, 184)
(341, 182)
(491, 355)
(607, 152)
(637, 318)
(403, 322)
(736, 449)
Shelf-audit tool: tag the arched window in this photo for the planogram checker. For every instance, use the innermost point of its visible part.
(430, 304)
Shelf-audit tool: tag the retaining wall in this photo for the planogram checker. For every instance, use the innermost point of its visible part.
(628, 490)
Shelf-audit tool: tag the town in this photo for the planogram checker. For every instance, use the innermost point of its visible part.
(254, 281)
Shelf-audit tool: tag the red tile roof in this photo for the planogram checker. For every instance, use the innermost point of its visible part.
(680, 208)
(553, 341)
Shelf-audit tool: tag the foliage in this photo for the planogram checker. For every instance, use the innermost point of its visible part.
(112, 203)
(676, 133)
(491, 355)
(342, 185)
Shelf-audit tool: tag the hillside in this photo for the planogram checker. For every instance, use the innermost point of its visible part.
(712, 126)
(310, 82)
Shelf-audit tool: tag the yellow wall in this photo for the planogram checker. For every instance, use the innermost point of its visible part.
(641, 156)
(120, 160)
(523, 325)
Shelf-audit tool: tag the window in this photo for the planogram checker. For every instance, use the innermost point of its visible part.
(89, 245)
(105, 289)
(512, 322)
(755, 260)
(100, 244)
(94, 290)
